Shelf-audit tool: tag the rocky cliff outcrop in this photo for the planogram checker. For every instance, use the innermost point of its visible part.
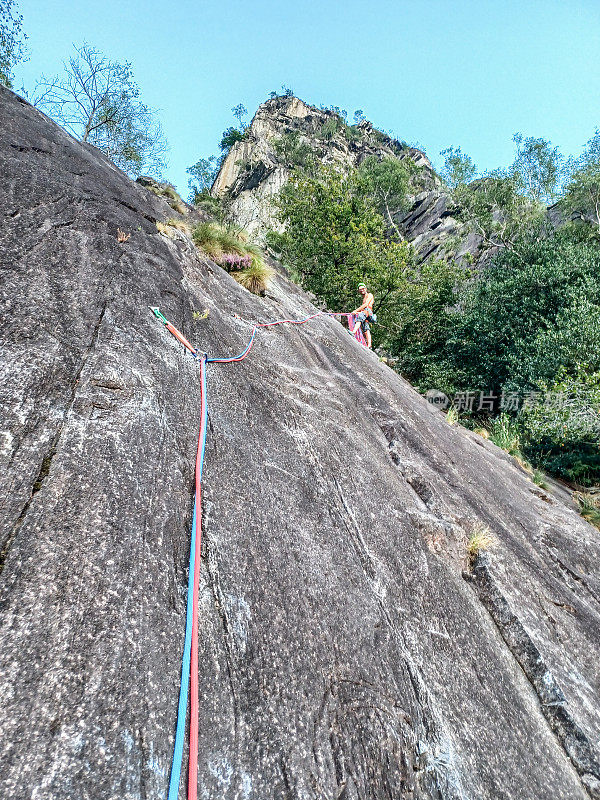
(256, 168)
(347, 649)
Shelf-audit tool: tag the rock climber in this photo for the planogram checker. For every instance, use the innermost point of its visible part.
(364, 313)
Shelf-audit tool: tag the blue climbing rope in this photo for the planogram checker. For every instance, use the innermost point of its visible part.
(175, 775)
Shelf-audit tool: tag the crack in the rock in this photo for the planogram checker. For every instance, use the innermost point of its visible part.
(52, 450)
(553, 702)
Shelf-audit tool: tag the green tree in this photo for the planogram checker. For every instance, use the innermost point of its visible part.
(239, 112)
(458, 169)
(335, 237)
(98, 101)
(494, 207)
(202, 175)
(582, 192)
(537, 168)
(423, 318)
(563, 342)
(518, 301)
(12, 41)
(388, 181)
(230, 136)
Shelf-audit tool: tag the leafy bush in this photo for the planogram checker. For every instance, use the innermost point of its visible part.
(528, 322)
(229, 138)
(562, 435)
(521, 303)
(292, 150)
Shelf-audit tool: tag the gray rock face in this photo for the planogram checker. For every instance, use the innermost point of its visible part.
(346, 650)
(254, 171)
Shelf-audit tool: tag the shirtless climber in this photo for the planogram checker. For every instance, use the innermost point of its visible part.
(365, 313)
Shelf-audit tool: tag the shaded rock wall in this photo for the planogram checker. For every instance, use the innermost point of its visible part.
(343, 653)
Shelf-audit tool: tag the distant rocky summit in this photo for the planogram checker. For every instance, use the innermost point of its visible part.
(256, 168)
(360, 636)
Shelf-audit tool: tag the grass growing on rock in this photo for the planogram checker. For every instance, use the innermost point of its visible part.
(504, 434)
(452, 415)
(220, 243)
(540, 479)
(480, 540)
(171, 224)
(179, 224)
(589, 507)
(171, 196)
(256, 277)
(217, 240)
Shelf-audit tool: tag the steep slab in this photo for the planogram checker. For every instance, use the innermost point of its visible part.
(346, 652)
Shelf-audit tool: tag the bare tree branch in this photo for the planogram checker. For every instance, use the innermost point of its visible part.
(98, 101)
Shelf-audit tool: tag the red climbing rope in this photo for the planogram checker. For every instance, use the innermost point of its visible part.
(180, 337)
(191, 652)
(359, 336)
(193, 758)
(241, 356)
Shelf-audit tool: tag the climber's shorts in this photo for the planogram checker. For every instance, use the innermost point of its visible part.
(364, 321)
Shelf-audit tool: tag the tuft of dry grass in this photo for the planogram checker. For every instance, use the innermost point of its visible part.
(171, 196)
(174, 200)
(172, 224)
(179, 224)
(452, 415)
(122, 236)
(483, 432)
(256, 278)
(524, 464)
(589, 507)
(162, 227)
(480, 539)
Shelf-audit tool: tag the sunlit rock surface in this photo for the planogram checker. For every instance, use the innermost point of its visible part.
(346, 649)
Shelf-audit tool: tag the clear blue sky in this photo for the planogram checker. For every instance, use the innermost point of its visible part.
(436, 72)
